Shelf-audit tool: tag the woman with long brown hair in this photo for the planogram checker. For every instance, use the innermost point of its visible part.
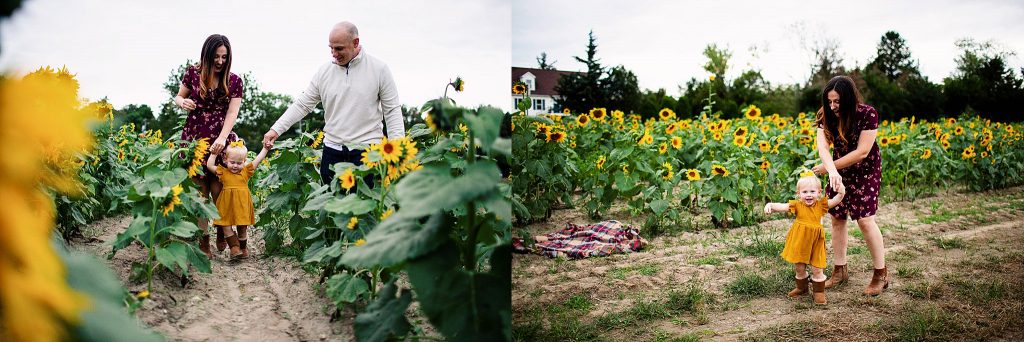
(851, 127)
(213, 95)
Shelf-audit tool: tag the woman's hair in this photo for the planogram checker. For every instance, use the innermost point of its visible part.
(849, 97)
(236, 149)
(206, 58)
(808, 181)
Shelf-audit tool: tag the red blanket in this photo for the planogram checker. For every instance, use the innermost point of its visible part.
(600, 239)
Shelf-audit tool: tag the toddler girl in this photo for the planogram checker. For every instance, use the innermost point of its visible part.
(235, 200)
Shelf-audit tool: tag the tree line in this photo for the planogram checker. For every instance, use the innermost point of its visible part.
(983, 83)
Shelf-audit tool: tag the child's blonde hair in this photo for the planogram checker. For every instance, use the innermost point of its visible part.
(808, 181)
(236, 149)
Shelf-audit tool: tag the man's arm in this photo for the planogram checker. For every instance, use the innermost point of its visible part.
(388, 96)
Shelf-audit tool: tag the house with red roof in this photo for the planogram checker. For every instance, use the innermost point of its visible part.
(541, 84)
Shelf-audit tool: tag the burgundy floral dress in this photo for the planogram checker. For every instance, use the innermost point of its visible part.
(863, 180)
(207, 119)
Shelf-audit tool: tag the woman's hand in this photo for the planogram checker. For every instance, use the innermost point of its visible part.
(835, 180)
(187, 104)
(767, 208)
(818, 170)
(218, 145)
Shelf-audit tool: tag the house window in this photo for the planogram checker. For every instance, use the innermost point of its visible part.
(539, 104)
(529, 84)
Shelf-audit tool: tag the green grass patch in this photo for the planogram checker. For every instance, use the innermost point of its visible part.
(761, 245)
(977, 291)
(793, 331)
(926, 323)
(749, 285)
(856, 250)
(949, 243)
(904, 271)
(944, 215)
(647, 269)
(708, 260)
(924, 290)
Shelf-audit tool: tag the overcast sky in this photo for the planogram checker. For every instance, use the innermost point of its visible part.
(126, 49)
(662, 41)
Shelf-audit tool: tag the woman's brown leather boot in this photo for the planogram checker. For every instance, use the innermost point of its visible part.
(232, 241)
(839, 277)
(221, 243)
(879, 281)
(801, 287)
(818, 292)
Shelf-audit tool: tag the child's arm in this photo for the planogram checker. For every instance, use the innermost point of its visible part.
(840, 193)
(776, 208)
(211, 163)
(260, 157)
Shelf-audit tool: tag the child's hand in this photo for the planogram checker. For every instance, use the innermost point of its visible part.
(842, 188)
(767, 208)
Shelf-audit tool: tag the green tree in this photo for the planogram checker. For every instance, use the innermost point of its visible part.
(893, 59)
(583, 91)
(141, 115)
(622, 89)
(542, 62)
(984, 83)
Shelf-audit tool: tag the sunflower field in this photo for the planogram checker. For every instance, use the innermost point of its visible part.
(672, 168)
(430, 207)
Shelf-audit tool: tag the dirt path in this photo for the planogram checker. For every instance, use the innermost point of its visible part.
(259, 299)
(952, 261)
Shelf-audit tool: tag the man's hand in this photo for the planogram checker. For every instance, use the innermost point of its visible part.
(269, 138)
(818, 170)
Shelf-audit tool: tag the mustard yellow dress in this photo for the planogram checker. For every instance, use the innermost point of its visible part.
(235, 200)
(805, 242)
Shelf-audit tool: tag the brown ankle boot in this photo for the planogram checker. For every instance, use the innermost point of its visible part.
(221, 243)
(818, 292)
(245, 250)
(801, 287)
(839, 277)
(204, 245)
(879, 281)
(232, 241)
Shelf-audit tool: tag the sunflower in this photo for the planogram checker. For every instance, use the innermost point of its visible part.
(677, 142)
(348, 180)
(805, 131)
(806, 140)
(175, 200)
(542, 129)
(662, 148)
(765, 165)
(781, 124)
(717, 136)
(765, 128)
(360, 242)
(926, 154)
(883, 141)
(352, 222)
(666, 114)
(566, 111)
(387, 213)
(959, 130)
(764, 146)
(752, 112)
(202, 146)
(618, 114)
(692, 174)
(582, 120)
(598, 114)
(668, 171)
(711, 78)
(556, 137)
(984, 154)
(518, 88)
(671, 128)
(719, 170)
(625, 168)
(390, 150)
(318, 140)
(739, 141)
(600, 162)
(645, 139)
(968, 152)
(945, 144)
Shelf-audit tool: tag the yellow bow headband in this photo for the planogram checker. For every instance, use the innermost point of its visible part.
(237, 143)
(806, 173)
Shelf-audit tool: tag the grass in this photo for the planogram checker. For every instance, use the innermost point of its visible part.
(749, 285)
(944, 215)
(925, 323)
(708, 260)
(950, 243)
(924, 290)
(693, 299)
(648, 269)
(904, 271)
(977, 291)
(798, 330)
(761, 245)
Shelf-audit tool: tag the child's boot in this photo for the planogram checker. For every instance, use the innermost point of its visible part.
(801, 287)
(242, 239)
(839, 276)
(879, 281)
(204, 245)
(233, 243)
(221, 243)
(818, 292)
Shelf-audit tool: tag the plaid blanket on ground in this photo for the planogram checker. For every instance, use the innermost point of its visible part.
(600, 239)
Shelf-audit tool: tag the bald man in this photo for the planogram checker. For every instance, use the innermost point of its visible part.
(357, 90)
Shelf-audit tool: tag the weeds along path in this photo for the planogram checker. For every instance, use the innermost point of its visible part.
(951, 262)
(259, 299)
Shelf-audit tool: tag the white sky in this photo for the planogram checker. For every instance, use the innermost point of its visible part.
(126, 49)
(662, 41)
